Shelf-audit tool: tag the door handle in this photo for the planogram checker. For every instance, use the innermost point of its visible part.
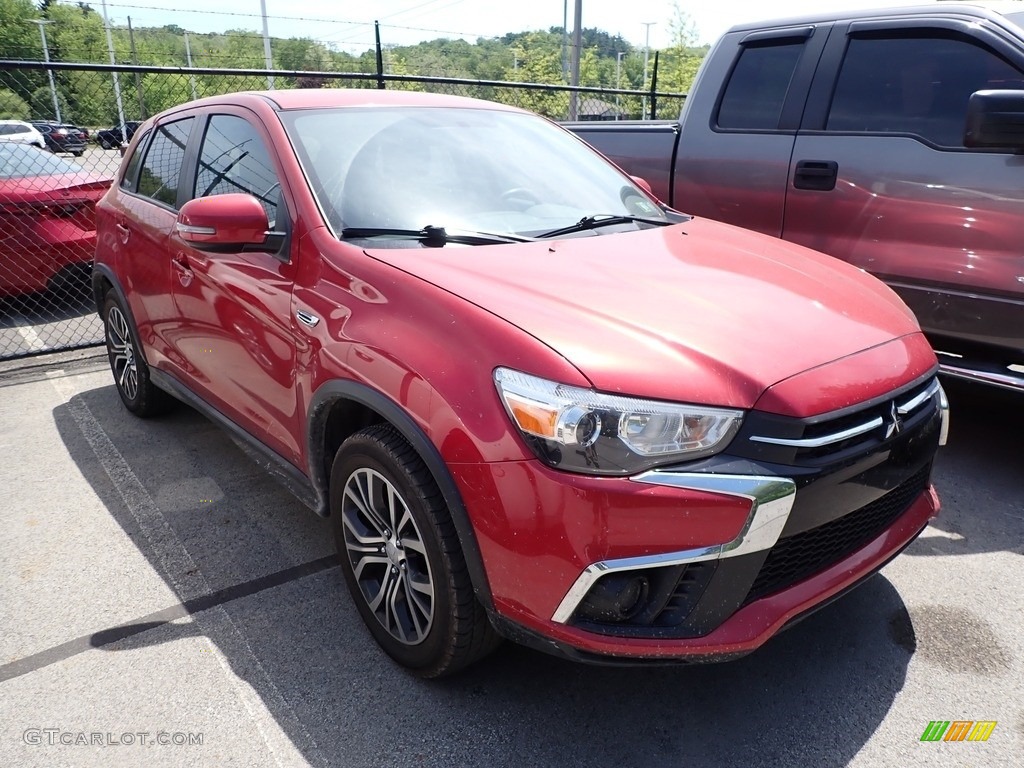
(306, 318)
(817, 175)
(123, 232)
(185, 273)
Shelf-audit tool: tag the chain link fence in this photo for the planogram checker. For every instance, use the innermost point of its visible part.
(61, 157)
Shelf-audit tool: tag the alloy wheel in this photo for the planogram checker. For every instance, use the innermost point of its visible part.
(122, 353)
(389, 560)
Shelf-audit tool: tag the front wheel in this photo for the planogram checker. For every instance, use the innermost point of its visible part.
(131, 374)
(401, 556)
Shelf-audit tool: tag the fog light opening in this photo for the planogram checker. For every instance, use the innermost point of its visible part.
(615, 598)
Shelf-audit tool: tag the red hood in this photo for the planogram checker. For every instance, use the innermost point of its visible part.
(699, 312)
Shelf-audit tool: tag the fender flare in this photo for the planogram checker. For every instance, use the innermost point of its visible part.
(394, 414)
(101, 272)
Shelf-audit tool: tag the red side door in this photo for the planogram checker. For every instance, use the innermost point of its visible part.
(235, 323)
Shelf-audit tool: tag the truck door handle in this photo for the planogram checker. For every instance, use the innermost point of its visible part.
(818, 175)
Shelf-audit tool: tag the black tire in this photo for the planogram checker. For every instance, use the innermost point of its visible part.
(131, 374)
(104, 144)
(78, 152)
(410, 585)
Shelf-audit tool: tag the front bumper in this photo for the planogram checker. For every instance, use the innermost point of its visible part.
(708, 560)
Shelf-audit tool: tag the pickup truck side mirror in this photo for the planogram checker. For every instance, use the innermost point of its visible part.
(995, 119)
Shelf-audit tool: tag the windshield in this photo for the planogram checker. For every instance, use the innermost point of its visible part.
(19, 161)
(470, 169)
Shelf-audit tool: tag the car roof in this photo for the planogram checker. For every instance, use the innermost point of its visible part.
(325, 98)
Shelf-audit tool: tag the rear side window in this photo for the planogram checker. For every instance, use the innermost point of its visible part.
(132, 168)
(161, 169)
(758, 86)
(917, 86)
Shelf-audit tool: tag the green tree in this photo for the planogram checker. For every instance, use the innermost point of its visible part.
(41, 105)
(12, 106)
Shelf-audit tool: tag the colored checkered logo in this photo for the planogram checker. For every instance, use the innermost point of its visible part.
(958, 730)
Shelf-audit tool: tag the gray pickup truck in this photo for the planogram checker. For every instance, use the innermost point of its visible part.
(892, 139)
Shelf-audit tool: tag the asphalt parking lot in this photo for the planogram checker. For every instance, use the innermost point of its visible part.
(164, 602)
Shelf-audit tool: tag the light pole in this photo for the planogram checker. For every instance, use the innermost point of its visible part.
(647, 53)
(618, 83)
(267, 60)
(117, 80)
(49, 72)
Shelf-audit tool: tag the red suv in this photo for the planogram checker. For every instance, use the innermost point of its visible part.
(535, 403)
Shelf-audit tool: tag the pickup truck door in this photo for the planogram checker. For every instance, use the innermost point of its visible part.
(892, 188)
(732, 167)
(235, 325)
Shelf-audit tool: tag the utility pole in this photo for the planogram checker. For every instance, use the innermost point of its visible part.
(113, 63)
(191, 74)
(138, 77)
(266, 45)
(49, 72)
(647, 53)
(577, 44)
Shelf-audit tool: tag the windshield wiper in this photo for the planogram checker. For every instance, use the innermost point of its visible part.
(601, 220)
(433, 236)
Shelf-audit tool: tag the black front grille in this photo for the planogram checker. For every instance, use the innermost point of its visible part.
(798, 557)
(784, 440)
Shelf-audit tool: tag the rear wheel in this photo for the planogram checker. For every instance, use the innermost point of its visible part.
(131, 374)
(401, 556)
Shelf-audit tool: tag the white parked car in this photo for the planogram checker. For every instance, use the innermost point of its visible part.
(21, 132)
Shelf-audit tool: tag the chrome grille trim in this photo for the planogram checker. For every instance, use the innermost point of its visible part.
(903, 409)
(817, 442)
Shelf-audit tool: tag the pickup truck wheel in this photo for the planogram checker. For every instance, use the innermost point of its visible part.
(131, 374)
(401, 557)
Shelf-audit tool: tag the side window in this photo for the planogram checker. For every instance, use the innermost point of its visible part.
(917, 86)
(132, 168)
(162, 167)
(6, 130)
(758, 85)
(234, 158)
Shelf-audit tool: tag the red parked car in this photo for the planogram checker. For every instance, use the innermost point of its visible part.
(535, 403)
(47, 222)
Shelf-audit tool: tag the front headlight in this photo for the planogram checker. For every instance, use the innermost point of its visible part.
(585, 431)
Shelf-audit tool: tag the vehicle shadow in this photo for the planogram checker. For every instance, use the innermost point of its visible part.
(979, 475)
(812, 696)
(66, 303)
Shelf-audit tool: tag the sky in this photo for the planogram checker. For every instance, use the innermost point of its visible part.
(348, 26)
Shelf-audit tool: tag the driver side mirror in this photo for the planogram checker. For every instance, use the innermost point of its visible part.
(233, 220)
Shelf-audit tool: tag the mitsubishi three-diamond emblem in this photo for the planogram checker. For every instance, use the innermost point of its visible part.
(895, 424)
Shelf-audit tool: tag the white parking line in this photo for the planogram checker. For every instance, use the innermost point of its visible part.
(33, 341)
(261, 697)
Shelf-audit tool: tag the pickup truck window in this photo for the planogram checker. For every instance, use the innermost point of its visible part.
(917, 86)
(757, 88)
